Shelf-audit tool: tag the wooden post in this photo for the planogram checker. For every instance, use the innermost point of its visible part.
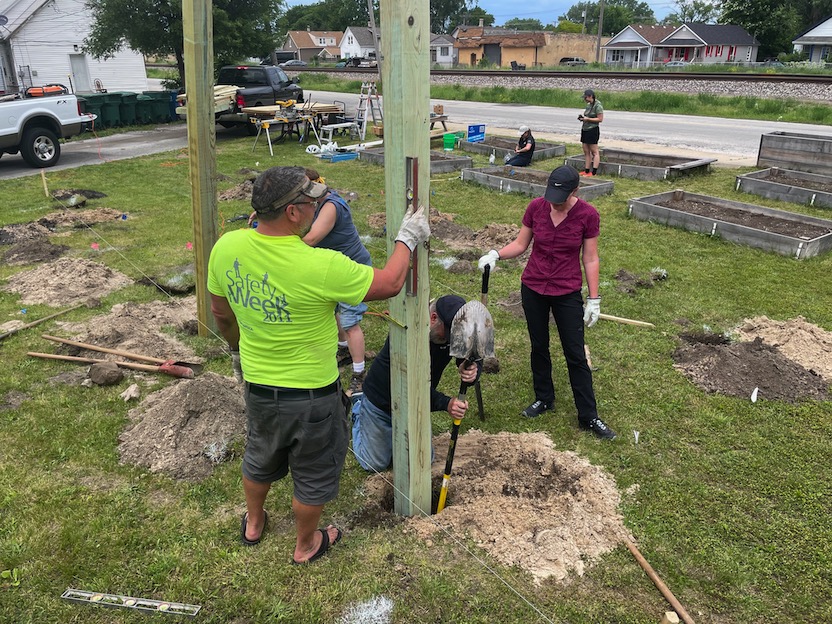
(197, 29)
(405, 80)
(670, 617)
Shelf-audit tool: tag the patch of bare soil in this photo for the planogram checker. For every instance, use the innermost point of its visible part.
(12, 400)
(136, 327)
(34, 251)
(765, 223)
(550, 512)
(797, 339)
(65, 194)
(185, 429)
(782, 177)
(522, 174)
(630, 283)
(736, 369)
(66, 281)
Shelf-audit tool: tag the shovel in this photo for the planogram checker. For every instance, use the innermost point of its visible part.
(167, 368)
(196, 368)
(472, 338)
(486, 273)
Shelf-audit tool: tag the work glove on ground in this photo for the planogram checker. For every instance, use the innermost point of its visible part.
(592, 311)
(415, 228)
(236, 366)
(489, 259)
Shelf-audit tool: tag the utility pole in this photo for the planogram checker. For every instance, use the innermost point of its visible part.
(376, 35)
(583, 28)
(600, 29)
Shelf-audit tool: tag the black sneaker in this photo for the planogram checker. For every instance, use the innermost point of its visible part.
(536, 409)
(343, 356)
(600, 429)
(356, 383)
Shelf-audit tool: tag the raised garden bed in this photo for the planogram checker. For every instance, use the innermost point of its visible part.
(783, 232)
(801, 152)
(530, 182)
(792, 186)
(643, 166)
(501, 146)
(440, 162)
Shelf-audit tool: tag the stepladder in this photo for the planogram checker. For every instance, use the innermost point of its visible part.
(369, 107)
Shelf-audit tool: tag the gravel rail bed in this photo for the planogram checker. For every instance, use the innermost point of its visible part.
(765, 90)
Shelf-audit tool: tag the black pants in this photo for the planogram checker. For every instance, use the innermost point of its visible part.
(569, 319)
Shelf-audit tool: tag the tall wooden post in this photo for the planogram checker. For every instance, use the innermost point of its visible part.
(197, 29)
(406, 85)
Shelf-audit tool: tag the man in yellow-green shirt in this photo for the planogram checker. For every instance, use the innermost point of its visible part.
(273, 298)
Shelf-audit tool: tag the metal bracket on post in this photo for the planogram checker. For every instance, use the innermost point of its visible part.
(412, 201)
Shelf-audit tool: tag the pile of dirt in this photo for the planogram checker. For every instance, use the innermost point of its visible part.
(80, 218)
(240, 192)
(630, 283)
(736, 369)
(137, 327)
(185, 429)
(550, 512)
(797, 339)
(66, 281)
(65, 194)
(22, 232)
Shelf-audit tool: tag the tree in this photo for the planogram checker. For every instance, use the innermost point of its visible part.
(524, 24)
(334, 15)
(445, 12)
(773, 22)
(471, 17)
(618, 14)
(688, 11)
(242, 28)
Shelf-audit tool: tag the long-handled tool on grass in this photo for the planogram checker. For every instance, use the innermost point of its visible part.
(39, 321)
(168, 369)
(472, 338)
(486, 273)
(195, 367)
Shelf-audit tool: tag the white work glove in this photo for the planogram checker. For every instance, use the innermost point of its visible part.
(489, 259)
(415, 228)
(592, 311)
(236, 366)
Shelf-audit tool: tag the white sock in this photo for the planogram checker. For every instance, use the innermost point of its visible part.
(342, 343)
(358, 367)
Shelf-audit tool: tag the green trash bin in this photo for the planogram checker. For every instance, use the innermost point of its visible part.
(110, 114)
(94, 102)
(144, 109)
(127, 108)
(161, 105)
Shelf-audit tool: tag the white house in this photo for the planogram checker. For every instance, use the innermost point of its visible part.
(41, 42)
(693, 43)
(358, 41)
(442, 50)
(816, 42)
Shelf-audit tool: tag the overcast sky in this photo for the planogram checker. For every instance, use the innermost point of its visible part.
(547, 11)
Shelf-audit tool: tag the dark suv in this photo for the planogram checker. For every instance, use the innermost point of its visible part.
(571, 61)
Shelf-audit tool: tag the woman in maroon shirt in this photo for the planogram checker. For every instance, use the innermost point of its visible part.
(565, 231)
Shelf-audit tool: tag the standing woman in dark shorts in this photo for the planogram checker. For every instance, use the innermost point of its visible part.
(592, 116)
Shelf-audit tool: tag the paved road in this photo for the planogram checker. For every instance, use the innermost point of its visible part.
(734, 142)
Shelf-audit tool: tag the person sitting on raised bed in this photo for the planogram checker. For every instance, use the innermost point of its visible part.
(524, 151)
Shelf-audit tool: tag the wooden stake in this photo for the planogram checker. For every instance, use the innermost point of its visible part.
(626, 321)
(668, 595)
(43, 177)
(39, 321)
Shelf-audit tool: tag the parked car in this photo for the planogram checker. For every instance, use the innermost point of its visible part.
(772, 63)
(353, 61)
(293, 63)
(676, 64)
(571, 61)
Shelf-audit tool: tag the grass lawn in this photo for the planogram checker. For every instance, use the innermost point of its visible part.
(733, 504)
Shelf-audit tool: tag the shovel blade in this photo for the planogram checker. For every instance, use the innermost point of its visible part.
(472, 332)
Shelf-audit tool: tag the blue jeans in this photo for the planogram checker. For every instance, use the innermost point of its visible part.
(372, 436)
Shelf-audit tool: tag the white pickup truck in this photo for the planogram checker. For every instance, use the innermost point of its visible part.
(33, 126)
